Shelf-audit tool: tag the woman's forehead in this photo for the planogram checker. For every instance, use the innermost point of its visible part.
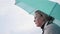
(37, 15)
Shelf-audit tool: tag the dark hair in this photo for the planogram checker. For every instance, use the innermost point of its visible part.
(48, 17)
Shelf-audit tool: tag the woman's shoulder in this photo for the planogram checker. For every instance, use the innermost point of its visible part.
(52, 26)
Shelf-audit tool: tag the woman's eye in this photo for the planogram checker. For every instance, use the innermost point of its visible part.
(41, 15)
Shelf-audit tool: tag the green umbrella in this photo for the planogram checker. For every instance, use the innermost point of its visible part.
(46, 6)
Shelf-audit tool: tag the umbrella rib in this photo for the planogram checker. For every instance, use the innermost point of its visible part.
(53, 9)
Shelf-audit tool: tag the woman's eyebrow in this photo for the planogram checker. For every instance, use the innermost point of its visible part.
(40, 14)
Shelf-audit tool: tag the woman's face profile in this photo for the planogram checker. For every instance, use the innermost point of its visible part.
(38, 19)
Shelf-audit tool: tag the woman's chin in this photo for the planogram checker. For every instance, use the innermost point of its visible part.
(38, 25)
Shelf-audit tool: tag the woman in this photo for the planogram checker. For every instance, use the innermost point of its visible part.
(46, 23)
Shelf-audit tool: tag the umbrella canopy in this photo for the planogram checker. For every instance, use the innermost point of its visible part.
(46, 6)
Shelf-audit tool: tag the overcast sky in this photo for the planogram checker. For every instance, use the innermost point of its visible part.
(57, 1)
(15, 20)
